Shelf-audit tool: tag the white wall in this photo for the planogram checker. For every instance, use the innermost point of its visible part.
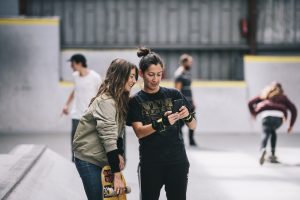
(32, 98)
(262, 70)
(29, 86)
(97, 60)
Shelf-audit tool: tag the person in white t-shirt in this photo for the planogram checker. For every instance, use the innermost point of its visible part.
(86, 85)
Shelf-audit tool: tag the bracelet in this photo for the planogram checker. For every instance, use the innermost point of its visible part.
(159, 125)
(165, 121)
(188, 119)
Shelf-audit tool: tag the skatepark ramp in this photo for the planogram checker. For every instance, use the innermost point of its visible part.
(35, 172)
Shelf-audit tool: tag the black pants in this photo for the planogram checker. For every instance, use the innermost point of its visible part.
(74, 127)
(270, 125)
(174, 177)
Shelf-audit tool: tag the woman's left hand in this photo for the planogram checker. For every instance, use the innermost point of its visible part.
(119, 185)
(183, 112)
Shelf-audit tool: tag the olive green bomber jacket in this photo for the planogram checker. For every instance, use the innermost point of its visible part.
(98, 131)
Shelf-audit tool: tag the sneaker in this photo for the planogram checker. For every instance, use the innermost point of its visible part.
(193, 143)
(273, 159)
(262, 156)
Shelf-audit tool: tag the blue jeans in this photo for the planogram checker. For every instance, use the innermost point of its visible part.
(91, 178)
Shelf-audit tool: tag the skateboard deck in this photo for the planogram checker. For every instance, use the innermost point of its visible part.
(108, 192)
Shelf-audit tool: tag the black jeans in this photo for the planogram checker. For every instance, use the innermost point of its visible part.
(174, 177)
(270, 125)
(74, 127)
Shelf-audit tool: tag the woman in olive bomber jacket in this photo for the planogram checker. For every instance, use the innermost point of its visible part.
(98, 138)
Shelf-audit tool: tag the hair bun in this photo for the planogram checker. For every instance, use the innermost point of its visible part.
(143, 51)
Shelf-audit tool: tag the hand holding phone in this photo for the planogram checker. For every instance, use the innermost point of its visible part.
(177, 104)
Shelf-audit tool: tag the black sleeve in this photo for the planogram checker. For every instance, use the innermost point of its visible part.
(187, 104)
(134, 112)
(113, 160)
(120, 145)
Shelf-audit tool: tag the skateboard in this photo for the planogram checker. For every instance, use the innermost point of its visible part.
(107, 179)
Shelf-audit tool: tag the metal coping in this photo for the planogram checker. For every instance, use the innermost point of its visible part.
(29, 21)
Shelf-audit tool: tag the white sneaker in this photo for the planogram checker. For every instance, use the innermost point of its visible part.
(273, 159)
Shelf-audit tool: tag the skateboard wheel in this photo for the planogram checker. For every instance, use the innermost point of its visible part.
(127, 189)
(112, 193)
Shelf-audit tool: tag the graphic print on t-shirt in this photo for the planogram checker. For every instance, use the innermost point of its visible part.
(153, 110)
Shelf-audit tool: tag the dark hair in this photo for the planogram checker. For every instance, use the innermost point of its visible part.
(148, 58)
(79, 58)
(116, 77)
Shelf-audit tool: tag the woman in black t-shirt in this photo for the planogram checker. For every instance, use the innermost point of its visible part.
(163, 160)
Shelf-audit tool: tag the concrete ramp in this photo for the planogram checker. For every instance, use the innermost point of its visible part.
(35, 172)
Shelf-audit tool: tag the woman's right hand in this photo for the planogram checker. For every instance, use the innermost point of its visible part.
(172, 117)
(119, 185)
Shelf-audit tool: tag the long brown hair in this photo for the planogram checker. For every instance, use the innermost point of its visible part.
(114, 85)
(271, 90)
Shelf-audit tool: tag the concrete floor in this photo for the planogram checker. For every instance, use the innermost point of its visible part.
(223, 166)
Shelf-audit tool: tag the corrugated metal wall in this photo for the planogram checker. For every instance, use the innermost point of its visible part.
(208, 29)
(208, 65)
(98, 23)
(278, 22)
(191, 22)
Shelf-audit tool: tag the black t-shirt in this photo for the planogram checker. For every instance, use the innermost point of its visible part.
(186, 80)
(159, 148)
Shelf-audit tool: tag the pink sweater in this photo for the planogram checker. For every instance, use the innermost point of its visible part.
(278, 102)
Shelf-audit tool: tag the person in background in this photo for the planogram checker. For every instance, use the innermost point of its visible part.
(163, 159)
(272, 107)
(183, 81)
(86, 85)
(98, 140)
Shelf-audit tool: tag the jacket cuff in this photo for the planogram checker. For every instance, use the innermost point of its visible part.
(113, 160)
(120, 145)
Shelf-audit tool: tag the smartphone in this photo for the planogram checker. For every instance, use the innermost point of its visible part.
(177, 105)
